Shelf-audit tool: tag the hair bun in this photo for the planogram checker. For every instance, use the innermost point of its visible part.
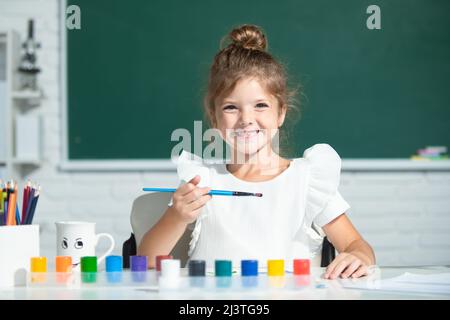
(249, 37)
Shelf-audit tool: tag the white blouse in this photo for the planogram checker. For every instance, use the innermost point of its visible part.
(274, 226)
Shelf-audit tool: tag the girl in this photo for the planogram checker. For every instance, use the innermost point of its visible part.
(247, 101)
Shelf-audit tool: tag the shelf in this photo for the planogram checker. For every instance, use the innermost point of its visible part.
(348, 165)
(27, 94)
(19, 102)
(31, 162)
(395, 165)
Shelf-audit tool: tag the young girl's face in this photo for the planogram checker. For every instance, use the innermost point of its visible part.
(248, 117)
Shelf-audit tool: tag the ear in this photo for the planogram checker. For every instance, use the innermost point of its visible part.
(213, 118)
(282, 116)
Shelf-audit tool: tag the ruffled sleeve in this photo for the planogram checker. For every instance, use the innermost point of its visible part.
(323, 201)
(188, 166)
(323, 183)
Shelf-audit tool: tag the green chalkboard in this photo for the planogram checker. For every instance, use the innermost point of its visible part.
(136, 70)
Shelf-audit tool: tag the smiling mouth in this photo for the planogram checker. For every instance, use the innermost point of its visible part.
(246, 133)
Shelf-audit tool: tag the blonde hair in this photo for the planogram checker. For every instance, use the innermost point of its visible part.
(245, 56)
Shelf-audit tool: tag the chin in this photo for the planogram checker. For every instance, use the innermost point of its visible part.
(247, 150)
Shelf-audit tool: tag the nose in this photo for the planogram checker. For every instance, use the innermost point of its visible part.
(247, 117)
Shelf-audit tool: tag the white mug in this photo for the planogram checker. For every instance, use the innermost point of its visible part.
(78, 239)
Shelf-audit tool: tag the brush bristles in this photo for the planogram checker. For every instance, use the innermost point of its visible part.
(258, 194)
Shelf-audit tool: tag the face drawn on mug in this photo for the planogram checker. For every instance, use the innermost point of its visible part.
(77, 243)
(78, 239)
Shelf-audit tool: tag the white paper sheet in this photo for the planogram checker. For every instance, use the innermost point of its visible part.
(437, 283)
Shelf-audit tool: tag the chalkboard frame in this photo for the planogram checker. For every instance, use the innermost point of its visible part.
(67, 164)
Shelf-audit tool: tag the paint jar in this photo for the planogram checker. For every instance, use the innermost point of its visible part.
(197, 274)
(89, 269)
(139, 266)
(223, 272)
(114, 269)
(170, 278)
(301, 277)
(38, 269)
(249, 279)
(63, 266)
(275, 273)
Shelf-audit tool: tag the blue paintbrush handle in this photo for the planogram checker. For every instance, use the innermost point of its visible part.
(212, 192)
(160, 189)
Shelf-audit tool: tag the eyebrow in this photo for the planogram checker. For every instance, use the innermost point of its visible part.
(255, 101)
(228, 101)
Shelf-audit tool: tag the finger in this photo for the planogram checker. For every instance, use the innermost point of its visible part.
(197, 204)
(339, 268)
(189, 186)
(351, 268)
(333, 265)
(195, 180)
(362, 271)
(196, 194)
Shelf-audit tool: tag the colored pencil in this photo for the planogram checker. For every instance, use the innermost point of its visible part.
(33, 207)
(30, 199)
(2, 205)
(1, 197)
(12, 205)
(17, 215)
(26, 193)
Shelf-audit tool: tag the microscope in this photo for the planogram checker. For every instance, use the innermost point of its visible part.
(28, 67)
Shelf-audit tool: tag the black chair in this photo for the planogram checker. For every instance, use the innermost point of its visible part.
(128, 249)
(328, 253)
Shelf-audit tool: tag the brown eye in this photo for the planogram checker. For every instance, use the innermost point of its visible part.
(229, 107)
(261, 105)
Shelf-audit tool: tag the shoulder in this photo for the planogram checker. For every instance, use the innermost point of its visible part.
(322, 153)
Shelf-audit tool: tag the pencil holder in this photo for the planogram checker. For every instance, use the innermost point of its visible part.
(18, 244)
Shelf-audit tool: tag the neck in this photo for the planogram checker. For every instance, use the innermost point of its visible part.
(264, 162)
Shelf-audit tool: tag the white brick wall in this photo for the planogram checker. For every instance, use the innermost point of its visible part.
(405, 216)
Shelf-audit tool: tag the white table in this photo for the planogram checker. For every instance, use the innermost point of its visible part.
(319, 289)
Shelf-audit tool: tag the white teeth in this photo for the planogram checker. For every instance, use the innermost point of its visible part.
(246, 133)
